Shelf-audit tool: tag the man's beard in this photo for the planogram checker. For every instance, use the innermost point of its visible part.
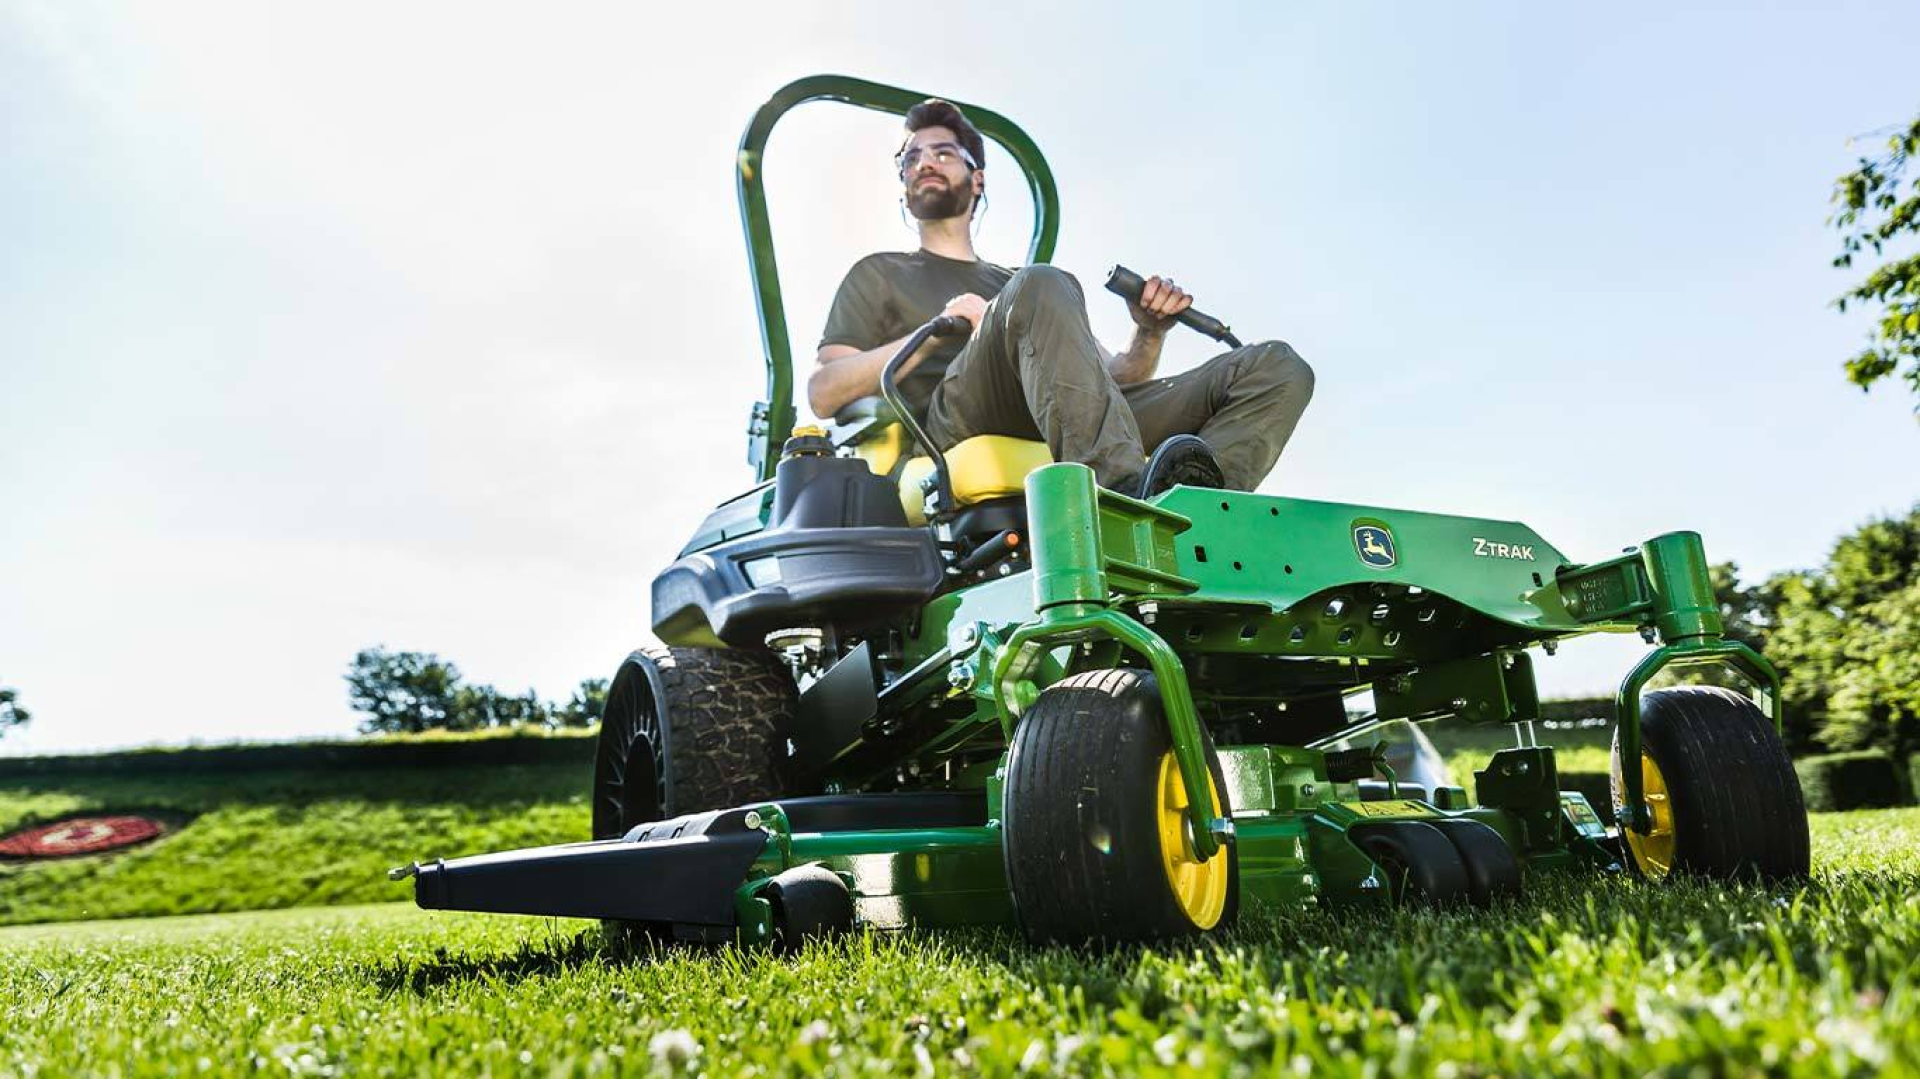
(935, 202)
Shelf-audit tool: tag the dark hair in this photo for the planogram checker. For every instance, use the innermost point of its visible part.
(934, 112)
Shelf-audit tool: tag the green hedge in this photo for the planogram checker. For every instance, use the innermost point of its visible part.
(1569, 709)
(513, 748)
(1867, 778)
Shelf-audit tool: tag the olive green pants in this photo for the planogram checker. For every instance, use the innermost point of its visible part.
(1033, 371)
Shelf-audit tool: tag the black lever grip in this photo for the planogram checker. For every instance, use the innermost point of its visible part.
(1129, 285)
(949, 326)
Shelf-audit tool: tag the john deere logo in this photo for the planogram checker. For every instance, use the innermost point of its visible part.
(1374, 545)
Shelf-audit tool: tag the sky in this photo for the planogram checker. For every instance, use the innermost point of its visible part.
(429, 326)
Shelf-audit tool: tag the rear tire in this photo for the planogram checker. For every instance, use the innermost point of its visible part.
(687, 730)
(1725, 800)
(1095, 836)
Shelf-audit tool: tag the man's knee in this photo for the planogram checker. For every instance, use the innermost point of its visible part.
(1276, 365)
(1041, 284)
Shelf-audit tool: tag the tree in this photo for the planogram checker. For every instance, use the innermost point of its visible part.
(1872, 215)
(477, 707)
(403, 691)
(12, 713)
(1847, 639)
(414, 692)
(588, 705)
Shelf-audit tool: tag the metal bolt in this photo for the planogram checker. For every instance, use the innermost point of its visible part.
(1648, 634)
(752, 820)
(1550, 646)
(961, 676)
(1221, 828)
(1459, 703)
(1149, 611)
(966, 636)
(1307, 791)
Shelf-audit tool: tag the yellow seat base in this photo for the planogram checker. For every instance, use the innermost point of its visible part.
(981, 468)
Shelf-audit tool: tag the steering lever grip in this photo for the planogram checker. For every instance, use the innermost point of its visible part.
(1128, 285)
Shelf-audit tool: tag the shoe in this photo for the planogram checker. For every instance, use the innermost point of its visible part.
(1183, 459)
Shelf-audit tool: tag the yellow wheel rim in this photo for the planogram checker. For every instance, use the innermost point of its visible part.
(1200, 888)
(1652, 851)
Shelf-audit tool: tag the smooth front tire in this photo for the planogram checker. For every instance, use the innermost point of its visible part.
(1722, 796)
(1096, 836)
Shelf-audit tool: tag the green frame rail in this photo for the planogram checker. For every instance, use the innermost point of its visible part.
(772, 419)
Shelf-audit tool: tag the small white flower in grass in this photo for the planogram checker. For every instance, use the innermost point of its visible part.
(1035, 1055)
(922, 1060)
(1065, 1048)
(674, 1046)
(526, 1057)
(1165, 1047)
(814, 1032)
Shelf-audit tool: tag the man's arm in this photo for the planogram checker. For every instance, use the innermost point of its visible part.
(1160, 301)
(847, 374)
(1141, 358)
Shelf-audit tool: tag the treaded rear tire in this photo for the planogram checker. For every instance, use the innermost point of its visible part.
(1081, 833)
(1737, 807)
(691, 729)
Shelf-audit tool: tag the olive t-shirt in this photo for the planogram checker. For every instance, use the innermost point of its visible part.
(888, 295)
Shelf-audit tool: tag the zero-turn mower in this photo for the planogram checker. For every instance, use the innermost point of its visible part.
(901, 686)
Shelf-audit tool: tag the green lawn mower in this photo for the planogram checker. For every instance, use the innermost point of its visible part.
(901, 686)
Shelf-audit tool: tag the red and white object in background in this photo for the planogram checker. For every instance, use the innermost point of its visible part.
(79, 836)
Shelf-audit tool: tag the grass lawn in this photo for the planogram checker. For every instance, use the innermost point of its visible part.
(278, 837)
(1582, 977)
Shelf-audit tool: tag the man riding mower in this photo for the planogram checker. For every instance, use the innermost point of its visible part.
(961, 673)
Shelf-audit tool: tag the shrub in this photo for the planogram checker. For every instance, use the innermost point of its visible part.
(1851, 781)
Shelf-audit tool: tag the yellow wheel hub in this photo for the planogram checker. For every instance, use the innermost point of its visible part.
(1200, 888)
(1652, 851)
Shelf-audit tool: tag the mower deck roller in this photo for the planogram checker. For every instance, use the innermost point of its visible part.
(1035, 702)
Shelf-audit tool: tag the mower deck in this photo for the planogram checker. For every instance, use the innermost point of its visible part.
(935, 859)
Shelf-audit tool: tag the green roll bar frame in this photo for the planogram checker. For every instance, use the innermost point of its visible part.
(772, 419)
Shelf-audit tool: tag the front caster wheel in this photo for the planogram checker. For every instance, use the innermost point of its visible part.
(1722, 797)
(1097, 839)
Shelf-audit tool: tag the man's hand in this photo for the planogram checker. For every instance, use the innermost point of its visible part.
(969, 307)
(1159, 302)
